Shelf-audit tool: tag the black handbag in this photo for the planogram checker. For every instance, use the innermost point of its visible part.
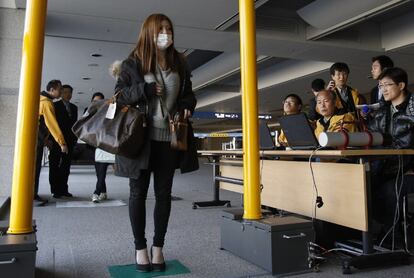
(124, 134)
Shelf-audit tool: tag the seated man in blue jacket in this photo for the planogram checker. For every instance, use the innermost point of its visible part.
(395, 120)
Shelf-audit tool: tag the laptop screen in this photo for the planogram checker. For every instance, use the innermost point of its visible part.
(266, 139)
(298, 132)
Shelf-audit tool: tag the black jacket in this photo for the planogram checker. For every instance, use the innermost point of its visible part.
(374, 96)
(66, 121)
(134, 90)
(402, 134)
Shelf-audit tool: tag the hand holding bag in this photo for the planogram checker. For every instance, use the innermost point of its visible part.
(178, 125)
(179, 130)
(123, 133)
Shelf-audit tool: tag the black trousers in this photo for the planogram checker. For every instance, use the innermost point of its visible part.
(100, 169)
(39, 157)
(59, 169)
(163, 161)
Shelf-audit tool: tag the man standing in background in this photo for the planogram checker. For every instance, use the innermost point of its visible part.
(379, 63)
(317, 86)
(47, 126)
(346, 96)
(59, 163)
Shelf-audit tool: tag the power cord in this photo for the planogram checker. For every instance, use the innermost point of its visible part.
(398, 196)
(405, 227)
(318, 201)
(397, 209)
(261, 171)
(316, 254)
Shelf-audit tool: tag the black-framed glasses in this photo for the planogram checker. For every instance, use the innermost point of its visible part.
(385, 85)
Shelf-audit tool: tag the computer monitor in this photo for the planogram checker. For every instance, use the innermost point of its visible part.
(299, 133)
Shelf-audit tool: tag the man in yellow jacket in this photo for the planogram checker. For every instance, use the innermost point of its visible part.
(47, 126)
(331, 121)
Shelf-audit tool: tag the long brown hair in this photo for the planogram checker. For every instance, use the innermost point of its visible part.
(146, 48)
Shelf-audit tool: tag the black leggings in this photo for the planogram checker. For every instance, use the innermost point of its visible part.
(163, 161)
(100, 169)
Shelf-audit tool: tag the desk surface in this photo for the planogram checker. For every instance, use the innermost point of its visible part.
(330, 153)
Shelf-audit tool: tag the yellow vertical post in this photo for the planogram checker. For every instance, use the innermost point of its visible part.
(249, 109)
(27, 118)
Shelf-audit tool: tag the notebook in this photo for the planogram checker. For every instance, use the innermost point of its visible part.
(299, 133)
(266, 140)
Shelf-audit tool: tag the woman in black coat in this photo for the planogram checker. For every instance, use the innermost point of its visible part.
(155, 76)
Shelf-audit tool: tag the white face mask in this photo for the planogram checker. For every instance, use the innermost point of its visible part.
(164, 41)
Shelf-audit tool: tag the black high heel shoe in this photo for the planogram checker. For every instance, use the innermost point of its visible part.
(157, 267)
(142, 267)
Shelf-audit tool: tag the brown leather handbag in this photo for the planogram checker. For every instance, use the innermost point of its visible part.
(179, 131)
(178, 125)
(124, 134)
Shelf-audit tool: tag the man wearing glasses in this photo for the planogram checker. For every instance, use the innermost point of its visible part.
(395, 120)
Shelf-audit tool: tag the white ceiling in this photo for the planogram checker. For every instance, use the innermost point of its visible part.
(77, 28)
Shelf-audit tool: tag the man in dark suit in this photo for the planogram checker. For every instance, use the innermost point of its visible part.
(59, 163)
(379, 63)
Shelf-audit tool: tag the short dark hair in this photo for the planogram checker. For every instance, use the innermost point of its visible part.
(397, 75)
(295, 96)
(340, 67)
(384, 61)
(53, 84)
(97, 94)
(66, 86)
(318, 85)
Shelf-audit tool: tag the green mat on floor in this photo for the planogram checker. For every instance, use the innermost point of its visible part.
(174, 267)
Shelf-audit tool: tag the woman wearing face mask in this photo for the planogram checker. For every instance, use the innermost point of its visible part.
(157, 75)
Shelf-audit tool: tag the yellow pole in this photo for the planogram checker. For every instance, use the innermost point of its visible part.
(21, 211)
(249, 109)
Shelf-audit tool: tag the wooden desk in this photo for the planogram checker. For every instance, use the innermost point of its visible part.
(319, 153)
(287, 185)
(344, 187)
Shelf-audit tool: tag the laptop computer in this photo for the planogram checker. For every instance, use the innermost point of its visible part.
(299, 133)
(266, 141)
